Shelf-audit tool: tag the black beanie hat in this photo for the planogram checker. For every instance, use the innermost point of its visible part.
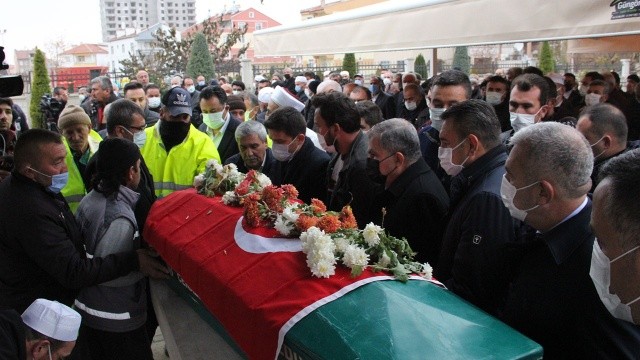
(116, 156)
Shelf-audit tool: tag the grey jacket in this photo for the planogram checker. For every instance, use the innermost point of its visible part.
(119, 305)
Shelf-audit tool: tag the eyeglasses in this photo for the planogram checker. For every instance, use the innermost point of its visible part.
(139, 128)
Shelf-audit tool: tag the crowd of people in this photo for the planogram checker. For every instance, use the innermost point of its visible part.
(522, 191)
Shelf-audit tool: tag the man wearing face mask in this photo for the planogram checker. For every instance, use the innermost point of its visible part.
(338, 121)
(527, 103)
(43, 251)
(188, 84)
(497, 94)
(615, 221)
(289, 81)
(237, 87)
(217, 121)
(152, 92)
(552, 298)
(447, 89)
(415, 108)
(280, 97)
(385, 102)
(174, 139)
(605, 127)
(414, 200)
(597, 92)
(201, 82)
(559, 109)
(571, 92)
(403, 81)
(299, 162)
(478, 223)
(300, 87)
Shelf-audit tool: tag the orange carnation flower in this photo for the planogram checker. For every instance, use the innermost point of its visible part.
(329, 223)
(347, 218)
(317, 206)
(304, 222)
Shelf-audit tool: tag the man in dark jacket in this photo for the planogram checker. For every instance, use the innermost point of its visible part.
(43, 254)
(414, 109)
(338, 121)
(251, 137)
(101, 95)
(552, 298)
(479, 223)
(413, 198)
(217, 121)
(385, 102)
(299, 162)
(497, 94)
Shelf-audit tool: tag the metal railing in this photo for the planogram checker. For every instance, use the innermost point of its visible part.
(363, 69)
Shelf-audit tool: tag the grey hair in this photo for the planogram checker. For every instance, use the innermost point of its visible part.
(604, 84)
(103, 81)
(398, 135)
(559, 153)
(251, 127)
(252, 97)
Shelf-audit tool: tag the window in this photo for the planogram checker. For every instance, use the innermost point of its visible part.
(80, 58)
(258, 26)
(112, 49)
(242, 25)
(251, 15)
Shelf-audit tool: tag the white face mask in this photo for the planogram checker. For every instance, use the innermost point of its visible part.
(81, 98)
(446, 160)
(520, 121)
(358, 82)
(281, 151)
(235, 92)
(494, 97)
(592, 99)
(139, 138)
(191, 89)
(213, 120)
(410, 105)
(508, 193)
(308, 93)
(600, 273)
(154, 102)
(434, 115)
(387, 81)
(594, 144)
(582, 89)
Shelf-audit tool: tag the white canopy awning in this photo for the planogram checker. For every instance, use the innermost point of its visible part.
(421, 24)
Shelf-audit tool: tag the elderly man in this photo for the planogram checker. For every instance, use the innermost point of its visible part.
(385, 102)
(142, 77)
(359, 93)
(101, 95)
(605, 127)
(176, 81)
(338, 121)
(615, 220)
(414, 200)
(551, 294)
(43, 252)
(81, 142)
(300, 86)
(299, 162)
(51, 330)
(172, 140)
(479, 223)
(255, 154)
(289, 80)
(527, 103)
(217, 121)
(415, 109)
(405, 79)
(135, 92)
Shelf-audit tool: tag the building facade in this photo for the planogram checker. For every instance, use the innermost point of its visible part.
(141, 14)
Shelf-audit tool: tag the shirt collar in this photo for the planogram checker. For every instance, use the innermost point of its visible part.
(569, 234)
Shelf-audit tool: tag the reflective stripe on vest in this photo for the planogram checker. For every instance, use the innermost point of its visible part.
(102, 314)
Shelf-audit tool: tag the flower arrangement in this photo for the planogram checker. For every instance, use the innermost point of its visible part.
(358, 249)
(328, 237)
(217, 179)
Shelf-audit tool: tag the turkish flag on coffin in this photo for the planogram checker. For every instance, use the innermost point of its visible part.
(256, 292)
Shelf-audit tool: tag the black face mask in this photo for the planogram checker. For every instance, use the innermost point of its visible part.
(287, 76)
(373, 171)
(173, 133)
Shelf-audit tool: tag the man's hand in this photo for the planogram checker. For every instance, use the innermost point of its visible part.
(150, 266)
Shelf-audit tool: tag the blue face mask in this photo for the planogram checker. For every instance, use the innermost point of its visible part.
(58, 181)
(298, 88)
(374, 89)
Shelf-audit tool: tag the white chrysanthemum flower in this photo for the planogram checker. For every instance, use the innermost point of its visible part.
(385, 260)
(355, 256)
(219, 168)
(341, 244)
(323, 268)
(232, 167)
(211, 163)
(263, 180)
(282, 226)
(371, 234)
(290, 214)
(229, 198)
(427, 271)
(198, 180)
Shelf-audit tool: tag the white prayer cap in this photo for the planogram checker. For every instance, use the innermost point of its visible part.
(301, 79)
(557, 78)
(259, 78)
(328, 86)
(264, 95)
(326, 73)
(52, 319)
(283, 98)
(344, 73)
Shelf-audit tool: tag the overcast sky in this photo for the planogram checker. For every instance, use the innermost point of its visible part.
(29, 23)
